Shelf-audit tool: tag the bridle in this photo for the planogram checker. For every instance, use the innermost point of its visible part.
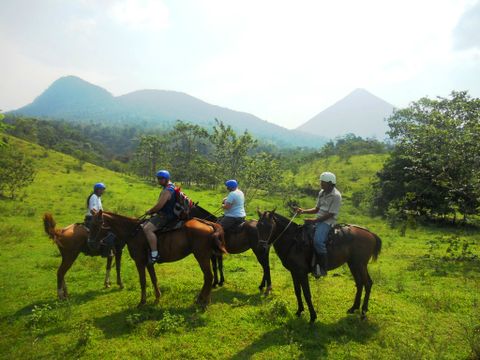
(267, 242)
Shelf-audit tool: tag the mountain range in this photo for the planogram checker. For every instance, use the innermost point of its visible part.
(73, 99)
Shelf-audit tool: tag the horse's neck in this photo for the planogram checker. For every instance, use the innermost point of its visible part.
(122, 227)
(283, 241)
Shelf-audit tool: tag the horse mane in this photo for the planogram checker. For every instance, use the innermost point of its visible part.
(122, 217)
(283, 221)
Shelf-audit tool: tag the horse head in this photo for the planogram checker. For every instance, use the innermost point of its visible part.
(266, 227)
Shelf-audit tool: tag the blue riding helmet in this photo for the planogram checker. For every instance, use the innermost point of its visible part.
(163, 174)
(231, 184)
(99, 186)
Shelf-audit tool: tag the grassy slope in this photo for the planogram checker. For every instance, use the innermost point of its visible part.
(419, 308)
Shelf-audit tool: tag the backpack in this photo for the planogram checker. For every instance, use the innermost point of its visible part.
(183, 204)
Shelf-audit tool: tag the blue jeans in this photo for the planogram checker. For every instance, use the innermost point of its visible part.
(321, 233)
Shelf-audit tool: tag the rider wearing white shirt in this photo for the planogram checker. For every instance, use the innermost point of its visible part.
(233, 206)
(94, 202)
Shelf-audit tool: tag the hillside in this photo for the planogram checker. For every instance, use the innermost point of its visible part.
(421, 307)
(360, 113)
(73, 99)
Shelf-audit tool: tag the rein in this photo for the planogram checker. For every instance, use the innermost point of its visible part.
(278, 237)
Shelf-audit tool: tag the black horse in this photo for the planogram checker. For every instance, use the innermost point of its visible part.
(237, 242)
(354, 246)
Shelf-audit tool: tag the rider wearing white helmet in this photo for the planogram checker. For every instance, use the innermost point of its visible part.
(327, 209)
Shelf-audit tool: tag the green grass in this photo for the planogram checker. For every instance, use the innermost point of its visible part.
(421, 307)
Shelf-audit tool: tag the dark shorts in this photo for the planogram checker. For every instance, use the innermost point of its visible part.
(159, 220)
(228, 222)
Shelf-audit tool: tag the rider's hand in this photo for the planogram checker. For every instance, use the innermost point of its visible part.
(298, 210)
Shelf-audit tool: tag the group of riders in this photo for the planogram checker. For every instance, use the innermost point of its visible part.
(162, 213)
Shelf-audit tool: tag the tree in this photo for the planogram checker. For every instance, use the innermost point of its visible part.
(16, 171)
(150, 154)
(262, 172)
(434, 169)
(186, 142)
(230, 151)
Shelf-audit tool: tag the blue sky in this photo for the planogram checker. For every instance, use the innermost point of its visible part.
(283, 61)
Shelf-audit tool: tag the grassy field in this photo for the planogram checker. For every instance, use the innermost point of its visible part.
(422, 307)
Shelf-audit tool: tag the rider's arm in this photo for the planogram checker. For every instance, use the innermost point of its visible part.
(308, 211)
(228, 202)
(164, 197)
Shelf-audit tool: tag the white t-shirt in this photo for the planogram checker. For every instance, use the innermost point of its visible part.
(95, 203)
(237, 200)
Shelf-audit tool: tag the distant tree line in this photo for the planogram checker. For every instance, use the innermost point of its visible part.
(434, 168)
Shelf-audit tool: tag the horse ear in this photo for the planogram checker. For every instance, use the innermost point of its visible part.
(100, 213)
(273, 211)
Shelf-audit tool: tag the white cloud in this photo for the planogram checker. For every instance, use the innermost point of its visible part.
(152, 15)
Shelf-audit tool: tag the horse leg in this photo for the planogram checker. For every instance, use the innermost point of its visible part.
(367, 280)
(220, 268)
(153, 278)
(308, 297)
(215, 273)
(143, 282)
(358, 283)
(298, 294)
(106, 283)
(268, 278)
(67, 261)
(204, 296)
(263, 260)
(118, 267)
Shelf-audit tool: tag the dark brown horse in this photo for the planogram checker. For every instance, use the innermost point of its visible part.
(237, 243)
(355, 247)
(197, 237)
(71, 241)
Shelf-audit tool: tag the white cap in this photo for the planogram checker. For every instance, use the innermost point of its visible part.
(328, 177)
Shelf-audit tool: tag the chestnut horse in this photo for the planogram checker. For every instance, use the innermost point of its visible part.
(236, 243)
(355, 247)
(197, 237)
(71, 241)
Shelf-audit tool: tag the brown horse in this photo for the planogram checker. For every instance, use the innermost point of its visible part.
(71, 241)
(197, 237)
(355, 247)
(236, 243)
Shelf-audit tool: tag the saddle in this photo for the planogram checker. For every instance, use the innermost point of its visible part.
(171, 226)
(237, 228)
(336, 232)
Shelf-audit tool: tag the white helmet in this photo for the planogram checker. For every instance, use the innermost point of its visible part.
(328, 177)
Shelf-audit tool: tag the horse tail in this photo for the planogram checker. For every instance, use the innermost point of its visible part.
(219, 237)
(49, 226)
(378, 247)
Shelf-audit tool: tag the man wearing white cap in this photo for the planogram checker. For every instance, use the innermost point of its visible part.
(327, 209)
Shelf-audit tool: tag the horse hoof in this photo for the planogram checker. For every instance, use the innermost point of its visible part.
(214, 286)
(298, 313)
(363, 316)
(107, 286)
(268, 291)
(312, 319)
(120, 286)
(220, 283)
(351, 310)
(141, 303)
(157, 300)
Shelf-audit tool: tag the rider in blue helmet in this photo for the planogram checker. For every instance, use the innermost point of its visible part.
(162, 212)
(94, 202)
(233, 206)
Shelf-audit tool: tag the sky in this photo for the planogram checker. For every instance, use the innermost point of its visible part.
(284, 61)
